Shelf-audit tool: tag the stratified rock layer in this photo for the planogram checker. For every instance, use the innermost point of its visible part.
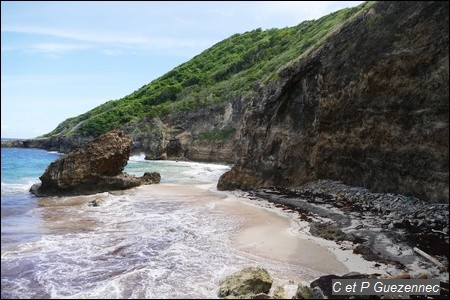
(369, 107)
(95, 168)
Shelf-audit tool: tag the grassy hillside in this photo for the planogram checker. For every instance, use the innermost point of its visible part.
(227, 70)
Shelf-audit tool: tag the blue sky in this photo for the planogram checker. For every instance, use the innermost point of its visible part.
(61, 59)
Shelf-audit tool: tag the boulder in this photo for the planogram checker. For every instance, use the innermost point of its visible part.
(150, 178)
(304, 292)
(98, 167)
(279, 293)
(248, 281)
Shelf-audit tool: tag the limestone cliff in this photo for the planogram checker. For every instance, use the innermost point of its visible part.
(205, 134)
(369, 107)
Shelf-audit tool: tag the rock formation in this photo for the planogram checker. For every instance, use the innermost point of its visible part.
(92, 169)
(369, 107)
(187, 135)
(246, 283)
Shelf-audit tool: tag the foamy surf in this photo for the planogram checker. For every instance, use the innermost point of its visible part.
(173, 240)
(162, 241)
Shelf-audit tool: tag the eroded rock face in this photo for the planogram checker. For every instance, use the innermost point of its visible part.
(95, 168)
(246, 283)
(369, 107)
(184, 135)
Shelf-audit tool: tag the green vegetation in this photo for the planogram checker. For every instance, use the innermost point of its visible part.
(218, 135)
(228, 70)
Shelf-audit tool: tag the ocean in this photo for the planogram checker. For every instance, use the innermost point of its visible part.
(161, 241)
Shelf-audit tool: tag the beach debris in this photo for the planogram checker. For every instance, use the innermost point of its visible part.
(429, 257)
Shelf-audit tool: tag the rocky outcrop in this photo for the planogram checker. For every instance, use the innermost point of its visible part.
(246, 283)
(95, 168)
(205, 134)
(150, 178)
(62, 144)
(322, 288)
(369, 107)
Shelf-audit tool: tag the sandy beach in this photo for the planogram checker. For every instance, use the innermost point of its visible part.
(270, 233)
(225, 230)
(265, 231)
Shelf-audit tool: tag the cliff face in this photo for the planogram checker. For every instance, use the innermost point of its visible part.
(201, 135)
(369, 107)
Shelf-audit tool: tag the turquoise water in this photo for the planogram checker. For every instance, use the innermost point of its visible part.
(21, 168)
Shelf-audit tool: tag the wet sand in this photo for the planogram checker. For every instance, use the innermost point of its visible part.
(269, 235)
(262, 233)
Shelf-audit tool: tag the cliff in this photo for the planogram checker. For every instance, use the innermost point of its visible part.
(369, 108)
(193, 111)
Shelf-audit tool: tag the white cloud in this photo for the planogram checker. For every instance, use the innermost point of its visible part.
(117, 40)
(111, 52)
(54, 48)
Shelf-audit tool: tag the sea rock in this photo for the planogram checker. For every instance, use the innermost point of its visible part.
(304, 292)
(92, 169)
(150, 178)
(248, 281)
(279, 293)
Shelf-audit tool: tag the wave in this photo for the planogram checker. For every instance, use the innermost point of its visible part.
(181, 172)
(138, 157)
(13, 188)
(55, 152)
(136, 245)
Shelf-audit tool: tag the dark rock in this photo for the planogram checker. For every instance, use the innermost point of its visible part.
(324, 283)
(150, 178)
(95, 168)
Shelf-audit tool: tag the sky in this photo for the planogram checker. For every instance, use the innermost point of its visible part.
(61, 59)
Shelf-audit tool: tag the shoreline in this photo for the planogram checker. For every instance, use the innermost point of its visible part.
(384, 229)
(268, 235)
(263, 228)
(270, 232)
